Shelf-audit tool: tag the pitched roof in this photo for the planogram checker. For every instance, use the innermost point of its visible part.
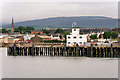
(36, 39)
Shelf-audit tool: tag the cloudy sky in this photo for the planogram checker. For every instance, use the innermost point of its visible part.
(22, 11)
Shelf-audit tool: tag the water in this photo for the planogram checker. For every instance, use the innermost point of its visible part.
(58, 67)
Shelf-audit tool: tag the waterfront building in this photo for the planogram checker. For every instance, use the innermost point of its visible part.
(75, 37)
(9, 39)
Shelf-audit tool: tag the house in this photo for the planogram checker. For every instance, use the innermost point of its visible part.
(75, 38)
(37, 32)
(1, 39)
(54, 36)
(119, 39)
(36, 39)
(16, 40)
(9, 39)
(16, 35)
(116, 29)
(3, 35)
(103, 40)
(45, 37)
(28, 37)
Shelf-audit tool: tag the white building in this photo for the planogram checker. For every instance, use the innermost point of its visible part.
(28, 37)
(75, 37)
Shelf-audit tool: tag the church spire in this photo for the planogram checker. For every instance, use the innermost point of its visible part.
(12, 28)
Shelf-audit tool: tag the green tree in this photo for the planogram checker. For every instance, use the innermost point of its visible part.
(3, 30)
(38, 33)
(60, 36)
(9, 30)
(114, 35)
(93, 36)
(21, 28)
(46, 31)
(107, 35)
(59, 30)
(16, 30)
(28, 29)
(66, 33)
(100, 36)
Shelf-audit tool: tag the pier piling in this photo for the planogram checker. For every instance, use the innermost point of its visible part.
(92, 51)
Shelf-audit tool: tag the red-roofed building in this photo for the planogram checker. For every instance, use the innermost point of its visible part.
(36, 32)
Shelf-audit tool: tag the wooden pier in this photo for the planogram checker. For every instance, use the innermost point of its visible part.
(93, 51)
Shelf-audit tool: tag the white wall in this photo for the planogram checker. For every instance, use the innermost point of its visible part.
(28, 37)
(77, 39)
(75, 31)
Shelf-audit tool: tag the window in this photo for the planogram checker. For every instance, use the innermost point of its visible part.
(10, 39)
(68, 42)
(80, 42)
(74, 37)
(74, 42)
(80, 37)
(74, 29)
(68, 37)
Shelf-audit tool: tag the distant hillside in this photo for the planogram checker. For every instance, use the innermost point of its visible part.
(66, 22)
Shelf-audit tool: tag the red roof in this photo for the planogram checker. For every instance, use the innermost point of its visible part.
(27, 40)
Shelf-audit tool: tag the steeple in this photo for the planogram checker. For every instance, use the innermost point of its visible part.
(12, 28)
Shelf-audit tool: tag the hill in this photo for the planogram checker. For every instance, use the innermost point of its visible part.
(66, 22)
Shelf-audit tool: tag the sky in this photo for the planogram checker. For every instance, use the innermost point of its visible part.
(39, 9)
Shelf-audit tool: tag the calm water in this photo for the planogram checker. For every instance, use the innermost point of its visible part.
(58, 67)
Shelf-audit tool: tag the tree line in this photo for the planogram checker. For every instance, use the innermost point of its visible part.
(106, 35)
(23, 30)
(59, 30)
(20, 29)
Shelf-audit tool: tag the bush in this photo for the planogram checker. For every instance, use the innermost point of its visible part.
(93, 36)
(107, 35)
(59, 30)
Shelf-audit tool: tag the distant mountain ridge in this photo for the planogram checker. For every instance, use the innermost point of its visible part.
(66, 22)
